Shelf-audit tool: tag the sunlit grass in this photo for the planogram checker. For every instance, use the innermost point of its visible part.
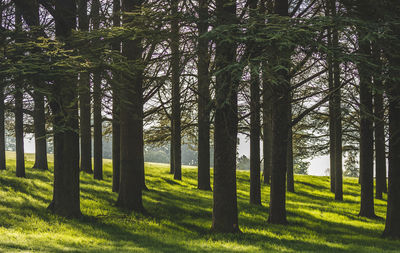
(179, 217)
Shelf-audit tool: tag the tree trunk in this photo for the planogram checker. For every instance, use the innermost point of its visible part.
(176, 92)
(97, 118)
(131, 121)
(225, 213)
(19, 131)
(19, 116)
(203, 176)
(332, 140)
(267, 128)
(40, 132)
(115, 109)
(337, 115)
(392, 226)
(84, 100)
(366, 135)
(66, 201)
(2, 130)
(255, 128)
(379, 127)
(97, 128)
(280, 129)
(171, 150)
(290, 172)
(255, 181)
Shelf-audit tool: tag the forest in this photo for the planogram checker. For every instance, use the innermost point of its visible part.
(108, 88)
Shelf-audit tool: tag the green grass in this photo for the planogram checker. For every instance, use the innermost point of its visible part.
(180, 217)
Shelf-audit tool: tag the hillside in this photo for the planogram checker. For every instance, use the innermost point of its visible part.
(180, 217)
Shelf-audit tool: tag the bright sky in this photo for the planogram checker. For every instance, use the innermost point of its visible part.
(317, 167)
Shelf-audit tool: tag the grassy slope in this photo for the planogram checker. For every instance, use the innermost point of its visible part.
(180, 217)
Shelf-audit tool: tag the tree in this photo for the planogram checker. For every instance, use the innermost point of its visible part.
(97, 118)
(176, 93)
(2, 130)
(337, 113)
(116, 138)
(255, 128)
(18, 112)
(366, 125)
(392, 226)
(225, 214)
(204, 101)
(290, 165)
(131, 118)
(66, 200)
(280, 99)
(379, 126)
(84, 100)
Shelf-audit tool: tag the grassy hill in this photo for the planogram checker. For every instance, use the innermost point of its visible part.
(180, 217)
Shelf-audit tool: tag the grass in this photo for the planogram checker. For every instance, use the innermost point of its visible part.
(180, 217)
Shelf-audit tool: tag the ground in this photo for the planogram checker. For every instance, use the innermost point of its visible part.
(179, 218)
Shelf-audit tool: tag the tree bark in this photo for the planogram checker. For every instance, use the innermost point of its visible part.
(290, 172)
(366, 134)
(131, 121)
(97, 128)
(337, 115)
(332, 140)
(392, 226)
(176, 92)
(19, 115)
(203, 176)
(267, 132)
(40, 132)
(84, 100)
(379, 127)
(255, 181)
(2, 130)
(280, 129)
(66, 201)
(97, 118)
(19, 131)
(115, 109)
(225, 213)
(255, 128)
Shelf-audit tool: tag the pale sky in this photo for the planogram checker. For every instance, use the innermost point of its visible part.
(317, 166)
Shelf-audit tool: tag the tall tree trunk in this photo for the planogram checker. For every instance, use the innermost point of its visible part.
(97, 118)
(97, 128)
(115, 109)
(255, 181)
(267, 129)
(366, 134)
(280, 129)
(290, 172)
(332, 140)
(171, 150)
(40, 131)
(337, 109)
(19, 131)
(131, 121)
(19, 115)
(379, 126)
(225, 213)
(266, 6)
(203, 176)
(255, 128)
(84, 100)
(2, 130)
(176, 92)
(66, 201)
(392, 226)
